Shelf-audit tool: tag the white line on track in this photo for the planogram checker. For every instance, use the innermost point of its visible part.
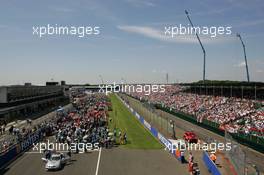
(98, 161)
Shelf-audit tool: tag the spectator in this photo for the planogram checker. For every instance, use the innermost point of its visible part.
(213, 157)
(190, 167)
(182, 157)
(190, 157)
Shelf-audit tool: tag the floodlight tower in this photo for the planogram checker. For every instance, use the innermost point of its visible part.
(204, 53)
(245, 55)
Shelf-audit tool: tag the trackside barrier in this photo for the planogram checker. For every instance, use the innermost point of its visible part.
(18, 149)
(166, 142)
(8, 156)
(30, 140)
(210, 164)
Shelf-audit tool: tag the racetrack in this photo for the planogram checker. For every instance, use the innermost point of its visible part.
(32, 164)
(115, 161)
(119, 160)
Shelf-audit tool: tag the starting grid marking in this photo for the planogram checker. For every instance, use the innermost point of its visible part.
(98, 161)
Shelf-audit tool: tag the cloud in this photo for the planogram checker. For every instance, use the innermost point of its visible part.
(100, 10)
(211, 12)
(160, 35)
(141, 3)
(241, 64)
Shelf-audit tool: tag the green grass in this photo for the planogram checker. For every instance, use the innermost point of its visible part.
(138, 137)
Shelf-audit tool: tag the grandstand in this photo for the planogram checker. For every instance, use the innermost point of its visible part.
(236, 114)
(20, 101)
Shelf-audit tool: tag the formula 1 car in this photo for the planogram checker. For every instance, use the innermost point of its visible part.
(190, 137)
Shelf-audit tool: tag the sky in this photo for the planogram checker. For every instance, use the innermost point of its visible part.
(131, 44)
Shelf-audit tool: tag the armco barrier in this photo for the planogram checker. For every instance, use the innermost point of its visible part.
(210, 164)
(18, 149)
(154, 132)
(28, 142)
(8, 156)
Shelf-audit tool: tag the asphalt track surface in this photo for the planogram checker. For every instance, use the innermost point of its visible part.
(114, 161)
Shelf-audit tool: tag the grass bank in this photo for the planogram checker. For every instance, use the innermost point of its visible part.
(122, 119)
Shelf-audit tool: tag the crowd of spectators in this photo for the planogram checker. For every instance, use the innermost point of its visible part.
(16, 134)
(86, 122)
(233, 114)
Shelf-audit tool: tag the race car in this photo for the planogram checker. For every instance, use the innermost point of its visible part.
(56, 162)
(190, 137)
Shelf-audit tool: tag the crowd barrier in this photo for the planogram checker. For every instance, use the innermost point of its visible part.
(210, 164)
(16, 150)
(6, 157)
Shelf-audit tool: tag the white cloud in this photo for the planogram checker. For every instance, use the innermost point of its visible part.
(160, 35)
(241, 64)
(141, 3)
(211, 12)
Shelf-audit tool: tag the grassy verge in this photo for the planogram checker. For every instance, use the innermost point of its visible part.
(122, 119)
